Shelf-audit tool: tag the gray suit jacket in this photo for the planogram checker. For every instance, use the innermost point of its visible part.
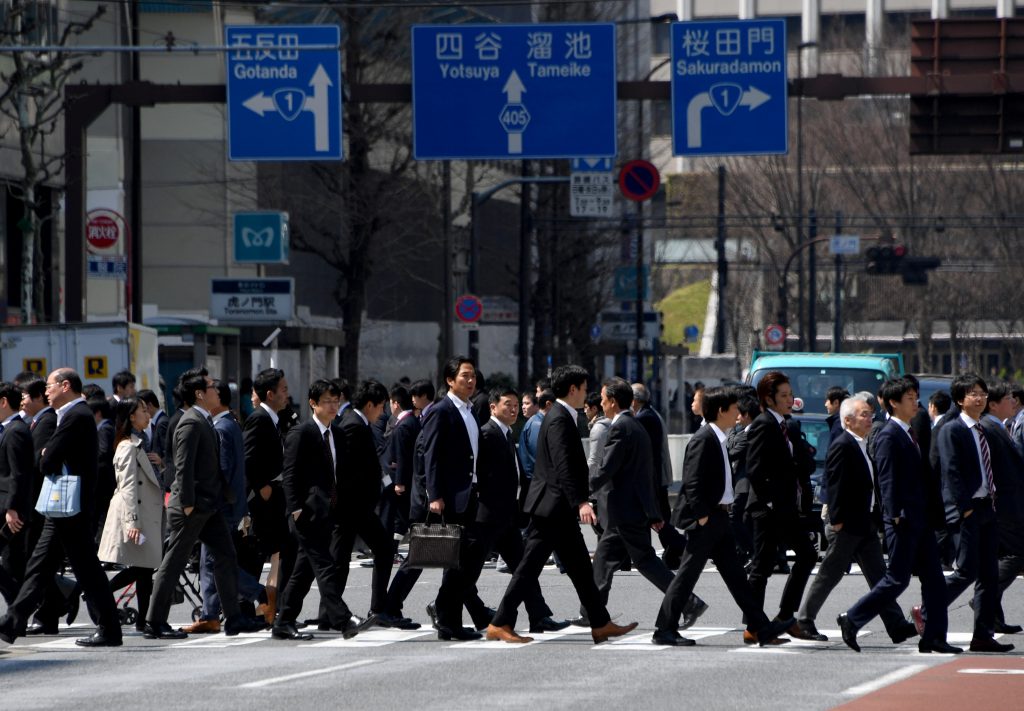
(197, 478)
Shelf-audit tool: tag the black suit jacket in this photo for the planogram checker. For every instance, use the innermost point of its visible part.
(197, 478)
(160, 434)
(651, 423)
(1008, 468)
(560, 473)
(167, 475)
(447, 455)
(848, 485)
(74, 445)
(41, 433)
(17, 469)
(498, 477)
(401, 450)
(359, 480)
(627, 465)
(703, 479)
(773, 470)
(900, 476)
(309, 473)
(264, 455)
(960, 467)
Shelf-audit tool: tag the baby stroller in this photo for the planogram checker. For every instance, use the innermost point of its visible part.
(188, 588)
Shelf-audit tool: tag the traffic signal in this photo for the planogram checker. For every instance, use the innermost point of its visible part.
(893, 259)
(886, 259)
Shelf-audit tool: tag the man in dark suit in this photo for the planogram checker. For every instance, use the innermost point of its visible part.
(969, 489)
(558, 501)
(106, 483)
(1008, 467)
(193, 513)
(451, 437)
(702, 510)
(833, 399)
(901, 483)
(312, 463)
(625, 488)
(672, 542)
(780, 496)
(72, 450)
(500, 477)
(398, 460)
(42, 421)
(16, 474)
(852, 523)
(359, 490)
(736, 446)
(264, 462)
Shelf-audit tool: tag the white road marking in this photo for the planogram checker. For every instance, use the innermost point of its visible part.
(306, 674)
(885, 680)
(372, 638)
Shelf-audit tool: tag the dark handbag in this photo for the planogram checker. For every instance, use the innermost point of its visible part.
(434, 545)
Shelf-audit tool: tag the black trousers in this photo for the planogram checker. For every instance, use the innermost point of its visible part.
(71, 537)
(269, 520)
(16, 557)
(367, 526)
(459, 584)
(772, 532)
(210, 528)
(559, 533)
(394, 513)
(143, 579)
(313, 560)
(713, 540)
(912, 548)
(1011, 558)
(620, 543)
(670, 538)
(977, 562)
(507, 541)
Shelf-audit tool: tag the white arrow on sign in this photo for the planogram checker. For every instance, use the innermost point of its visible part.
(514, 90)
(752, 98)
(317, 105)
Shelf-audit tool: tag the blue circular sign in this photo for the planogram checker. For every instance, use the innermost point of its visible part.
(469, 308)
(595, 331)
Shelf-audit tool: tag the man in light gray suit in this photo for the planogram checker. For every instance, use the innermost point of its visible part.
(194, 513)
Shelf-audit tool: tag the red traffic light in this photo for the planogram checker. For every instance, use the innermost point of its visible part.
(899, 250)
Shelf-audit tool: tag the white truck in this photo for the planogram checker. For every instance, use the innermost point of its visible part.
(95, 350)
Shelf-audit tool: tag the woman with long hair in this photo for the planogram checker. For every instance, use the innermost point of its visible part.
(133, 531)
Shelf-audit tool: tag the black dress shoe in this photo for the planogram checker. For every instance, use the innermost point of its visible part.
(1003, 628)
(548, 625)
(162, 630)
(287, 630)
(671, 639)
(38, 628)
(395, 622)
(432, 613)
(849, 632)
(771, 631)
(99, 639)
(463, 634)
(239, 624)
(7, 633)
(943, 647)
(692, 612)
(902, 634)
(987, 644)
(809, 632)
(354, 625)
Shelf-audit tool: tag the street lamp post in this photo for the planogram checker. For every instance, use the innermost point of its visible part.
(800, 188)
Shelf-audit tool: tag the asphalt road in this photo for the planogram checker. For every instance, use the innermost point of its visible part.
(392, 670)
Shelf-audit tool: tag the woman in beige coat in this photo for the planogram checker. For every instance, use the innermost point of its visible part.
(133, 532)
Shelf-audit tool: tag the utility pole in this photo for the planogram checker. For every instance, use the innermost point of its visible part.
(812, 282)
(723, 266)
(837, 295)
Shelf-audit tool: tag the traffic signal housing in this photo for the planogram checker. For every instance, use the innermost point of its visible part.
(894, 259)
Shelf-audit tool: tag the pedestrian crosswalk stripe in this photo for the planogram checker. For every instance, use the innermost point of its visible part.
(372, 638)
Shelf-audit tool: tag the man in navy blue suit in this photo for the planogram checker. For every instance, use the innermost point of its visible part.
(899, 472)
(969, 492)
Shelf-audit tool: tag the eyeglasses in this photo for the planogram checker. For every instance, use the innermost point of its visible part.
(979, 394)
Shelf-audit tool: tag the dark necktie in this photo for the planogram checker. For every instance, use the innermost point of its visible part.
(789, 445)
(33, 425)
(331, 468)
(913, 436)
(986, 459)
(146, 445)
(785, 435)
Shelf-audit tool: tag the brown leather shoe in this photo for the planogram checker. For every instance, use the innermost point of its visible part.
(602, 634)
(268, 610)
(505, 633)
(203, 627)
(751, 638)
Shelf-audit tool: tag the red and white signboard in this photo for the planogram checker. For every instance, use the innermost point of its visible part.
(103, 229)
(774, 337)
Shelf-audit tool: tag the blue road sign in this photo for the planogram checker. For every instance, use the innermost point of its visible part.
(729, 88)
(513, 91)
(624, 287)
(261, 237)
(283, 100)
(592, 165)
